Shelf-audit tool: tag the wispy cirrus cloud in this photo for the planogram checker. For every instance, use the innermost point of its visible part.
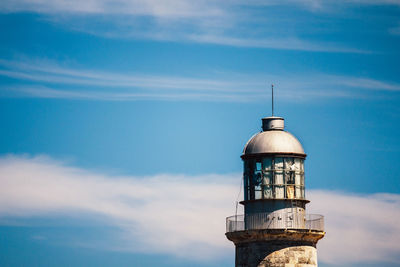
(255, 24)
(46, 92)
(290, 43)
(170, 8)
(51, 72)
(168, 213)
(49, 79)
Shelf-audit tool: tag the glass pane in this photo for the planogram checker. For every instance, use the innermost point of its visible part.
(290, 191)
(278, 163)
(289, 177)
(267, 178)
(268, 191)
(258, 166)
(289, 163)
(298, 192)
(298, 179)
(279, 178)
(257, 178)
(279, 191)
(297, 164)
(267, 163)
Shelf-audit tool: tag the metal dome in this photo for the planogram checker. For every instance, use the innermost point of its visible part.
(273, 140)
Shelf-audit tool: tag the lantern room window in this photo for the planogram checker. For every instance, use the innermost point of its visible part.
(274, 177)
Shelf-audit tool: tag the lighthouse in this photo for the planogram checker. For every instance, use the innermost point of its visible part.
(275, 230)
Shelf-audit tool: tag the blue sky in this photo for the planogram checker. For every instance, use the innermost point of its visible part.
(114, 113)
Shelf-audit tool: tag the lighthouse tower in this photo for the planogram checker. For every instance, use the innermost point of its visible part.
(275, 229)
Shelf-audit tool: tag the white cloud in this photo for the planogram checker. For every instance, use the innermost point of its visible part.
(360, 228)
(164, 213)
(233, 23)
(168, 8)
(167, 213)
(49, 79)
(46, 92)
(376, 2)
(51, 72)
(274, 43)
(367, 83)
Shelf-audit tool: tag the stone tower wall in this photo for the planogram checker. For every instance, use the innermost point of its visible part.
(276, 254)
(276, 247)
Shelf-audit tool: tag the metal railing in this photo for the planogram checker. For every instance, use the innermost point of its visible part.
(275, 220)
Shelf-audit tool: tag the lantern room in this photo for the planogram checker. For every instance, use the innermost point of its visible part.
(274, 177)
(273, 169)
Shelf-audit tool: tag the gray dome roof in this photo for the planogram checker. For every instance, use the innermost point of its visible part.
(273, 140)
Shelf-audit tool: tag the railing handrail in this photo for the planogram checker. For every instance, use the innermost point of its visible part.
(275, 220)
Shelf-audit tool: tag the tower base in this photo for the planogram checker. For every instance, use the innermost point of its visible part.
(276, 248)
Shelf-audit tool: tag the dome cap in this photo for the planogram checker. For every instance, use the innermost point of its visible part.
(273, 140)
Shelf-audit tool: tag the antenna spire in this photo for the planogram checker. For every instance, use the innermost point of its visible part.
(272, 87)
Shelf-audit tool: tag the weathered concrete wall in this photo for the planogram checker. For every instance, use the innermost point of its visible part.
(276, 254)
(276, 247)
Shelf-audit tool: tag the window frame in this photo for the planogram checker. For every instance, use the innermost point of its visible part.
(290, 169)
